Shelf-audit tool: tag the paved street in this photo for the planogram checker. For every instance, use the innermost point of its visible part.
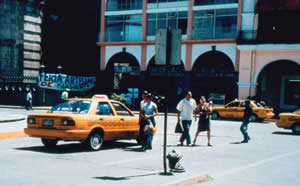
(271, 158)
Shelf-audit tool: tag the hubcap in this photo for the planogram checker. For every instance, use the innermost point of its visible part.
(95, 141)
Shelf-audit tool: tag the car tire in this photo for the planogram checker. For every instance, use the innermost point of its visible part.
(215, 116)
(253, 118)
(297, 132)
(95, 141)
(49, 143)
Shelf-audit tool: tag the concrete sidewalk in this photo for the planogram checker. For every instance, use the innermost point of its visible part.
(6, 116)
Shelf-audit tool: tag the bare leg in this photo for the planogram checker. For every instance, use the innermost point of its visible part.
(195, 139)
(208, 137)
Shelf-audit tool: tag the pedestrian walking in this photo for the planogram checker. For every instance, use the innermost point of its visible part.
(29, 100)
(204, 110)
(246, 120)
(185, 109)
(64, 95)
(149, 111)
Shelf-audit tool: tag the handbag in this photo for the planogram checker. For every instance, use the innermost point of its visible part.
(179, 128)
(149, 130)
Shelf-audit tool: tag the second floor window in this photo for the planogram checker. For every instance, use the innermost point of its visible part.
(124, 28)
(175, 20)
(116, 5)
(215, 24)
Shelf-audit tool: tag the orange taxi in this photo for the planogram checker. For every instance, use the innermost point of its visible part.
(235, 109)
(89, 120)
(290, 121)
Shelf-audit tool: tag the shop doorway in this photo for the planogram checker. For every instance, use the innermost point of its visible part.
(213, 76)
(278, 85)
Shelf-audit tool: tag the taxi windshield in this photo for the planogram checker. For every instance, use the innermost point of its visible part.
(297, 111)
(257, 104)
(72, 106)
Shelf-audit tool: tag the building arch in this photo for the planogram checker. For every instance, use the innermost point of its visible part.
(213, 74)
(111, 51)
(278, 84)
(227, 49)
(122, 72)
(260, 68)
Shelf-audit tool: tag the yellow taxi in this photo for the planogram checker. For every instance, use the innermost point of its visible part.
(235, 109)
(89, 120)
(290, 121)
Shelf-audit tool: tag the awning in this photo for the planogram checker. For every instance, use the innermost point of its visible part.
(275, 5)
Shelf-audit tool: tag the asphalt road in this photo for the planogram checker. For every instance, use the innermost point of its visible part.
(271, 158)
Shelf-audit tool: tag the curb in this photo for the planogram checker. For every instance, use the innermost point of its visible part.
(12, 120)
(22, 107)
(193, 180)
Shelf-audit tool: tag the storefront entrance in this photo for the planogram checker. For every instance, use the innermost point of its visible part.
(213, 76)
(278, 85)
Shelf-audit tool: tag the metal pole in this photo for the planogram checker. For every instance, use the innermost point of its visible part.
(167, 96)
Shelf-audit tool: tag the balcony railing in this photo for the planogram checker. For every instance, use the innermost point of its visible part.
(253, 37)
(214, 2)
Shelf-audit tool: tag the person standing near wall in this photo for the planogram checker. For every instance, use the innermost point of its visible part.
(186, 107)
(29, 100)
(64, 95)
(149, 111)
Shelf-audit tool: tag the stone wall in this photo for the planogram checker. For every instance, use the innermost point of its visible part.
(20, 38)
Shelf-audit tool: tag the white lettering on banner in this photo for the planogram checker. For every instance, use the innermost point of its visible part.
(65, 82)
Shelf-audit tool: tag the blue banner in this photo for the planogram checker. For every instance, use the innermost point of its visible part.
(65, 82)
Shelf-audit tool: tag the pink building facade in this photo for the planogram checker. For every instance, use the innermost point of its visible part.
(232, 48)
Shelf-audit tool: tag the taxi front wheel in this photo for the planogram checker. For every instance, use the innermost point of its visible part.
(94, 141)
(49, 143)
(215, 116)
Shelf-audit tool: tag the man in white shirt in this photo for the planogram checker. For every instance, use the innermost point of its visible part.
(186, 107)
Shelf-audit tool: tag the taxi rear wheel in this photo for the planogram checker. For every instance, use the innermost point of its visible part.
(94, 141)
(295, 129)
(215, 116)
(49, 143)
(253, 118)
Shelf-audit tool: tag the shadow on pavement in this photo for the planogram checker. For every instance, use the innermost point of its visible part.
(285, 133)
(74, 148)
(236, 143)
(111, 178)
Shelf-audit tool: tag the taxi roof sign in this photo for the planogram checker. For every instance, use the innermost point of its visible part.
(100, 96)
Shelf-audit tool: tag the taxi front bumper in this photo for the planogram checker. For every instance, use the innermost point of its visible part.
(57, 134)
(284, 124)
(269, 115)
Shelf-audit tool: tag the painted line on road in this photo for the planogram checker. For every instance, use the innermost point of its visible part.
(255, 164)
(198, 179)
(10, 135)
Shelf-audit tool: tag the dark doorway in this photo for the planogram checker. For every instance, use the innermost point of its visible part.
(157, 83)
(278, 85)
(213, 74)
(122, 72)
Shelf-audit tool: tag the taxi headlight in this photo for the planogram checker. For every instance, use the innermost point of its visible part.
(67, 122)
(31, 121)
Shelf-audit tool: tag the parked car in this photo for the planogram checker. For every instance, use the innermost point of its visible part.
(89, 120)
(235, 109)
(290, 121)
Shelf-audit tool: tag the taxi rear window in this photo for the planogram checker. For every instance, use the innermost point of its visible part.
(75, 107)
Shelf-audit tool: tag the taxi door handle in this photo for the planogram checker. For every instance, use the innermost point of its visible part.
(121, 119)
(101, 119)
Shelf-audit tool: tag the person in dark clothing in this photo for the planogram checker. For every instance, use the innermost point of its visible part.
(244, 127)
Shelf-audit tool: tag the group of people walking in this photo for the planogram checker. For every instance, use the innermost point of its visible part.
(187, 110)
